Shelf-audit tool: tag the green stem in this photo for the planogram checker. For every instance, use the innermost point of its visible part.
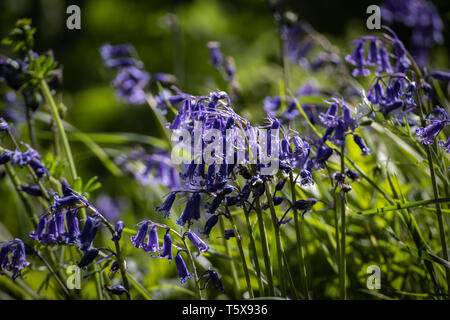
(194, 269)
(276, 228)
(229, 255)
(299, 237)
(265, 247)
(241, 252)
(31, 131)
(61, 130)
(343, 262)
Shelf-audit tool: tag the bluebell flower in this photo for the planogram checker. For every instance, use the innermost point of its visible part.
(445, 145)
(304, 204)
(164, 78)
(31, 190)
(88, 257)
(68, 201)
(118, 228)
(13, 258)
(373, 58)
(213, 277)
(130, 84)
(210, 223)
(139, 239)
(385, 64)
(428, 133)
(361, 144)
(3, 125)
(167, 205)
(183, 272)
(215, 55)
(306, 177)
(88, 233)
(166, 251)
(400, 54)
(5, 157)
(352, 174)
(229, 233)
(339, 133)
(323, 154)
(191, 211)
(152, 244)
(73, 228)
(330, 118)
(349, 121)
(197, 242)
(117, 289)
(356, 58)
(38, 234)
(440, 75)
(108, 51)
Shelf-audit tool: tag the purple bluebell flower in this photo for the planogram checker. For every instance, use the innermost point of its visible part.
(5, 157)
(440, 75)
(428, 133)
(73, 228)
(130, 84)
(3, 125)
(323, 154)
(88, 233)
(88, 257)
(361, 144)
(152, 244)
(213, 277)
(306, 177)
(117, 289)
(330, 118)
(139, 239)
(118, 228)
(210, 223)
(197, 242)
(304, 204)
(38, 234)
(108, 51)
(445, 144)
(31, 190)
(215, 55)
(191, 211)
(68, 201)
(356, 58)
(229, 233)
(349, 121)
(352, 174)
(401, 56)
(39, 168)
(339, 133)
(391, 106)
(13, 257)
(183, 271)
(373, 58)
(109, 207)
(230, 69)
(166, 251)
(163, 78)
(385, 64)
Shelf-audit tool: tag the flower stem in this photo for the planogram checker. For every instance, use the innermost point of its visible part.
(194, 269)
(343, 262)
(228, 253)
(241, 252)
(265, 247)
(278, 244)
(299, 236)
(61, 130)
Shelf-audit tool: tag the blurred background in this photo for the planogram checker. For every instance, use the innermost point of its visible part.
(171, 36)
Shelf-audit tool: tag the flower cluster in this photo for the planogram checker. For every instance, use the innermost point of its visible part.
(424, 20)
(13, 257)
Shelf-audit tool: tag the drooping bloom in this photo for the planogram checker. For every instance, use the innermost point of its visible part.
(152, 244)
(88, 257)
(210, 223)
(139, 239)
(183, 271)
(191, 211)
(197, 242)
(38, 234)
(73, 228)
(357, 59)
(439, 75)
(428, 133)
(215, 55)
(88, 233)
(13, 257)
(166, 251)
(445, 145)
(213, 277)
(167, 205)
(361, 144)
(118, 230)
(229, 233)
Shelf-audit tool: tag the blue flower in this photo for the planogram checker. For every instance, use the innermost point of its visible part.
(118, 230)
(183, 272)
(139, 239)
(385, 64)
(31, 190)
(191, 211)
(215, 55)
(210, 223)
(213, 277)
(197, 242)
(152, 244)
(130, 84)
(229, 233)
(361, 144)
(330, 118)
(88, 257)
(73, 229)
(374, 58)
(88, 233)
(166, 251)
(13, 257)
(356, 58)
(428, 133)
(439, 75)
(38, 234)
